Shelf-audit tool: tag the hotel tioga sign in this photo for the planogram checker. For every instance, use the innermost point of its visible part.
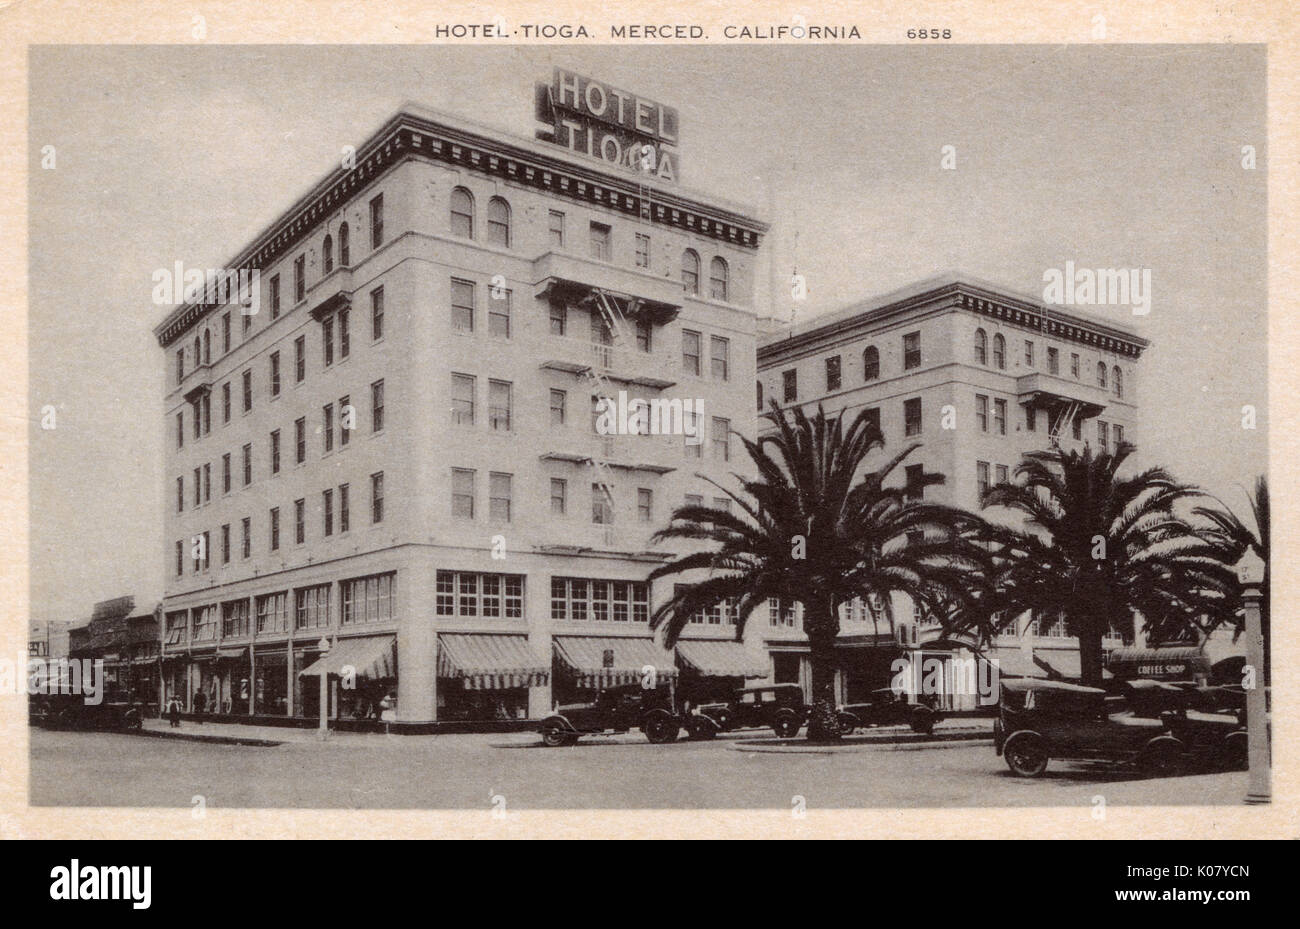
(616, 126)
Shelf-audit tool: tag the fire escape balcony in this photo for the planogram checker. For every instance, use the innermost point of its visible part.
(583, 357)
(1053, 393)
(644, 453)
(639, 295)
(330, 293)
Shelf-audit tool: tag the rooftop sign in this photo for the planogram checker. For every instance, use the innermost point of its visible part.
(602, 121)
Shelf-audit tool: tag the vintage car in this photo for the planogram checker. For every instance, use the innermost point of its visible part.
(1041, 720)
(779, 706)
(1208, 721)
(71, 711)
(617, 709)
(888, 708)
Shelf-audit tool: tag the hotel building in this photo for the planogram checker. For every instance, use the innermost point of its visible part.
(978, 377)
(390, 474)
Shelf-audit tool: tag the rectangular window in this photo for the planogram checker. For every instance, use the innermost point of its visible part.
(245, 324)
(311, 607)
(345, 512)
(376, 314)
(499, 405)
(558, 318)
(1001, 473)
(913, 488)
(873, 417)
(180, 494)
(462, 493)
(207, 413)
(198, 422)
(273, 613)
(207, 483)
(644, 504)
(499, 487)
(982, 477)
(275, 451)
(248, 391)
(694, 500)
(1078, 427)
(462, 306)
(327, 340)
(225, 334)
(790, 385)
(600, 242)
(499, 313)
(1031, 419)
(691, 352)
(367, 600)
(347, 419)
(275, 528)
(1000, 416)
(299, 359)
(644, 333)
(693, 438)
(275, 295)
(377, 221)
(912, 416)
(1103, 437)
(327, 511)
(555, 228)
(225, 544)
(327, 426)
(578, 599)
(833, 373)
(300, 440)
(1118, 433)
(198, 487)
(466, 594)
(180, 429)
(248, 464)
(345, 333)
(246, 537)
(225, 473)
(558, 398)
(180, 557)
(299, 521)
(377, 497)
(377, 406)
(982, 412)
(275, 374)
(559, 496)
(602, 506)
(721, 439)
(225, 402)
(1029, 353)
(299, 279)
(462, 399)
(1053, 361)
(642, 250)
(206, 621)
(1074, 365)
(720, 358)
(911, 351)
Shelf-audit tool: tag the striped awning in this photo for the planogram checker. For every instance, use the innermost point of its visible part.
(718, 659)
(606, 661)
(372, 656)
(490, 662)
(1179, 662)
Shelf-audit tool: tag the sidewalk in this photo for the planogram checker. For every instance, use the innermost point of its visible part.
(947, 732)
(240, 734)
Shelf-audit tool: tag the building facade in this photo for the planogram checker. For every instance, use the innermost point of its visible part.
(977, 377)
(127, 642)
(389, 467)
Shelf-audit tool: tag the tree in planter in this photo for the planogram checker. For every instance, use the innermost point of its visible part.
(818, 527)
(1097, 547)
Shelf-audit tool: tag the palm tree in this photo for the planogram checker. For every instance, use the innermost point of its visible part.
(1234, 538)
(1097, 547)
(816, 527)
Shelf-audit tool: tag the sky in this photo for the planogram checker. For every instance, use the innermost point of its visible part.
(1107, 156)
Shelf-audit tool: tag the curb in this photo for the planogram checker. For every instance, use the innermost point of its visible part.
(215, 739)
(894, 743)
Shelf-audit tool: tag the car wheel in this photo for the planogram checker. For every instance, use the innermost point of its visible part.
(1163, 758)
(1234, 756)
(700, 730)
(848, 722)
(922, 721)
(660, 729)
(554, 735)
(1026, 754)
(786, 726)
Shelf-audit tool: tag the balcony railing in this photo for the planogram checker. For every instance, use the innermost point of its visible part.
(1051, 390)
(330, 293)
(637, 293)
(637, 368)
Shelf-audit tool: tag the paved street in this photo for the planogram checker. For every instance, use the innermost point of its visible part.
(625, 772)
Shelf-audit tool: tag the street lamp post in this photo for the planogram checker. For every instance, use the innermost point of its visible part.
(323, 732)
(1250, 573)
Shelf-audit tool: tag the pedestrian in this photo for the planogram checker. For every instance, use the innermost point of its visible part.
(174, 712)
(200, 704)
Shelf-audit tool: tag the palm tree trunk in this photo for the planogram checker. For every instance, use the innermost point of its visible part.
(1090, 654)
(822, 725)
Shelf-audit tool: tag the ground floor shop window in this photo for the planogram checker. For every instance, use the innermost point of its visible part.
(271, 685)
(481, 705)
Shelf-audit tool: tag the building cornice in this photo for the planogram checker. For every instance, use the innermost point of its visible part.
(411, 135)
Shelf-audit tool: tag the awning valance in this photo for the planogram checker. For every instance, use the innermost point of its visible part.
(606, 661)
(371, 656)
(232, 654)
(490, 662)
(719, 659)
(1177, 662)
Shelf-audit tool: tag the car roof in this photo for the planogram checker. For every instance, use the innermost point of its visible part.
(1022, 684)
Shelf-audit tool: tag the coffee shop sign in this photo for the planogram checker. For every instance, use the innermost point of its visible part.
(601, 121)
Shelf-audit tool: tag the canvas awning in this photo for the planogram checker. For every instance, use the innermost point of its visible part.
(606, 661)
(232, 654)
(1015, 663)
(718, 659)
(1177, 662)
(490, 662)
(371, 656)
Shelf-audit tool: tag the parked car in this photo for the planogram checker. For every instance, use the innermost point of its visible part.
(887, 708)
(1208, 721)
(1041, 720)
(617, 709)
(779, 706)
(71, 711)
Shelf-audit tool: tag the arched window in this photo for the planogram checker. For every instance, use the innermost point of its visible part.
(327, 253)
(207, 347)
(999, 353)
(498, 222)
(981, 347)
(691, 271)
(871, 363)
(462, 213)
(1101, 374)
(345, 257)
(718, 279)
(1117, 381)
